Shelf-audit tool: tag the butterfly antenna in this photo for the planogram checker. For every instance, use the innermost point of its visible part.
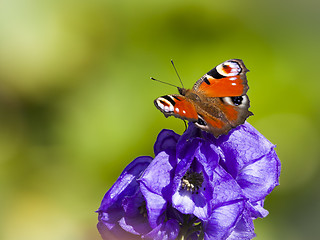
(177, 73)
(163, 82)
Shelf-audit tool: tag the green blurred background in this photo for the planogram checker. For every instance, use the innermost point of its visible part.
(76, 101)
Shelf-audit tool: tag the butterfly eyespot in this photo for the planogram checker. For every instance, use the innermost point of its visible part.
(236, 101)
(229, 69)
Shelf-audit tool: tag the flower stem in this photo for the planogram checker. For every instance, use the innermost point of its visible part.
(201, 235)
(184, 228)
(188, 228)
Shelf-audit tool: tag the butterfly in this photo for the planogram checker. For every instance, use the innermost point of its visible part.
(217, 102)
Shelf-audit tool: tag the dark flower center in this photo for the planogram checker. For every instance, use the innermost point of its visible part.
(192, 181)
(143, 209)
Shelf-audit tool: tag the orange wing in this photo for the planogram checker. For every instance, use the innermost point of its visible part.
(228, 79)
(223, 114)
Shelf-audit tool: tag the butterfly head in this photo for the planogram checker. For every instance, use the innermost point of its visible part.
(182, 91)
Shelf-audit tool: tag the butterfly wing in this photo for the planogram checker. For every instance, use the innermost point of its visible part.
(178, 106)
(224, 103)
(219, 115)
(218, 101)
(228, 79)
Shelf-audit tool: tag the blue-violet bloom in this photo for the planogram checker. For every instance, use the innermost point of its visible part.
(196, 187)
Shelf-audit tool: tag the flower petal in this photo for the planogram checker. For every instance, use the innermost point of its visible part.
(122, 194)
(155, 205)
(167, 139)
(225, 188)
(136, 225)
(259, 178)
(223, 221)
(256, 209)
(183, 202)
(131, 204)
(111, 217)
(168, 230)
(155, 185)
(207, 155)
(244, 229)
(126, 184)
(242, 146)
(115, 234)
(157, 177)
(202, 209)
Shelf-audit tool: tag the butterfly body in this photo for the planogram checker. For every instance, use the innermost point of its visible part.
(216, 103)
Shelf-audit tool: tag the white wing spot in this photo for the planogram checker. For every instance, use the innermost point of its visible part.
(160, 104)
(165, 108)
(177, 110)
(184, 112)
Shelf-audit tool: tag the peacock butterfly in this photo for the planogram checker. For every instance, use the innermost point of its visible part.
(217, 102)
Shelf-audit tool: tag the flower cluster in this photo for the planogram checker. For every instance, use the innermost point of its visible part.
(196, 187)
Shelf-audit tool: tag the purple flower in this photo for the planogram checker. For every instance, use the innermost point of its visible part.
(190, 177)
(197, 187)
(123, 213)
(200, 183)
(119, 210)
(252, 161)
